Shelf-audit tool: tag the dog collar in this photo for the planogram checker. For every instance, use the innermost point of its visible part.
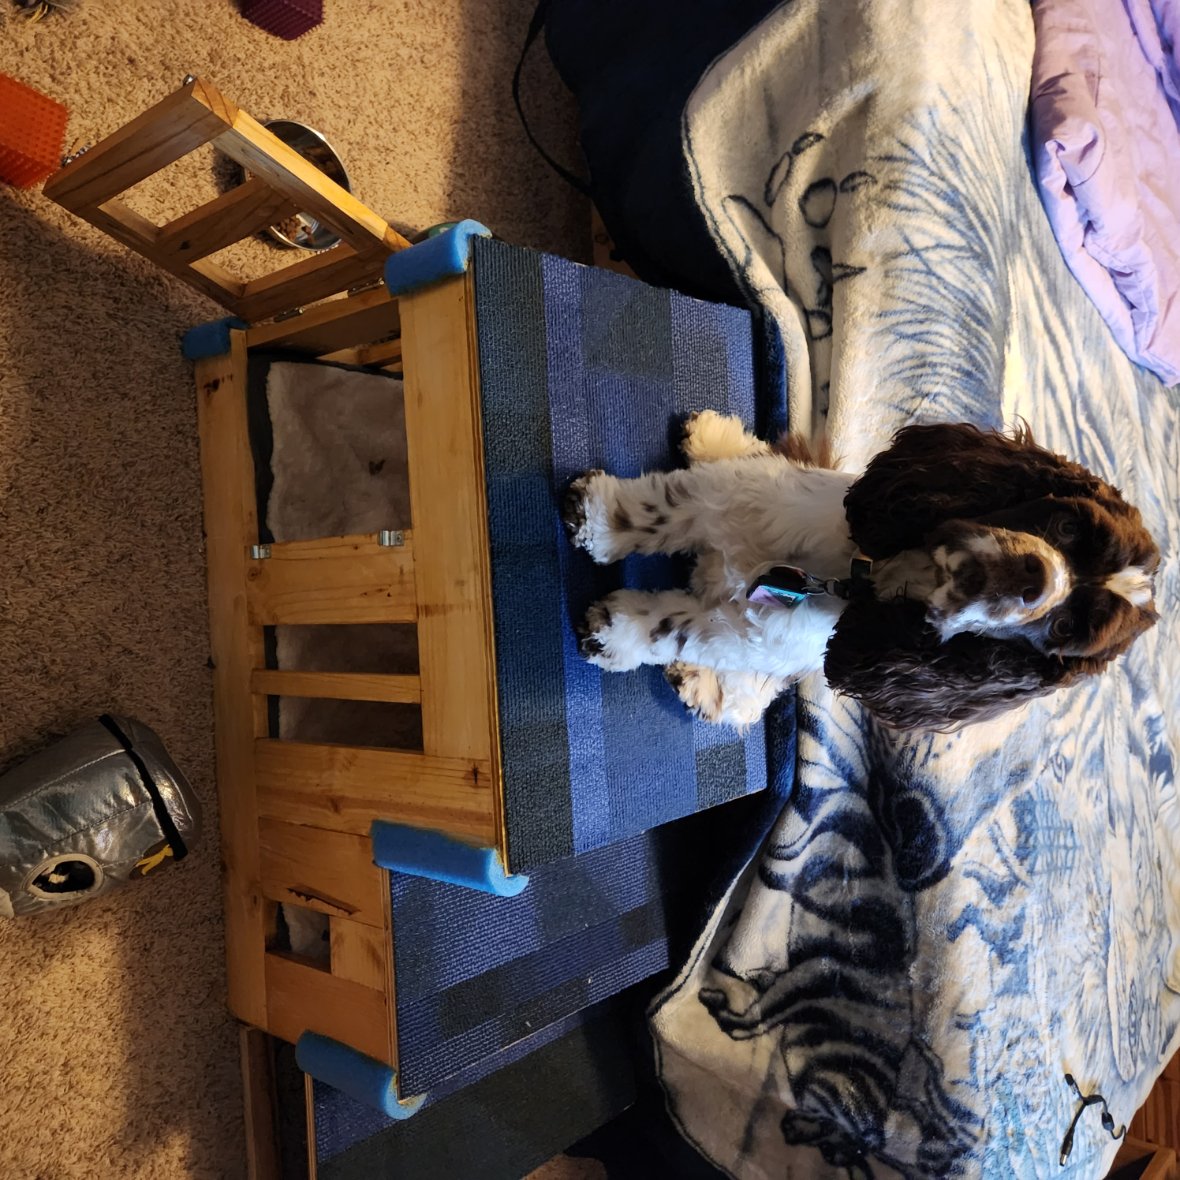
(789, 585)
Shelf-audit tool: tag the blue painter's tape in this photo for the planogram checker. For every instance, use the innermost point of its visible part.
(436, 258)
(422, 853)
(353, 1073)
(206, 340)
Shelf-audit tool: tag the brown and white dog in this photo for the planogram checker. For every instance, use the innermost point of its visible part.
(1000, 572)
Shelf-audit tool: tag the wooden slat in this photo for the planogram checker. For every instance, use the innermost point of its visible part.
(1138, 1125)
(264, 155)
(263, 1159)
(302, 999)
(369, 354)
(125, 225)
(330, 872)
(1144, 1126)
(338, 686)
(1157, 1162)
(1157, 1113)
(1167, 1113)
(309, 1114)
(449, 504)
(1164, 1112)
(341, 323)
(335, 580)
(345, 788)
(359, 952)
(183, 121)
(237, 649)
(306, 282)
(243, 211)
(1153, 1112)
(336, 547)
(1162, 1166)
(1158, 1120)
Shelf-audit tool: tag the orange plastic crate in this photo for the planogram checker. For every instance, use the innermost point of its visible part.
(32, 129)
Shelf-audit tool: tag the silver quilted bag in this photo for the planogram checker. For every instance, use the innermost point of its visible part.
(103, 806)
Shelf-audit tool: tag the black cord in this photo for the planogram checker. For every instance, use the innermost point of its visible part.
(535, 27)
(1090, 1100)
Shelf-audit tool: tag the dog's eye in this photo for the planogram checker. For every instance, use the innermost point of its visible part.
(1066, 528)
(1061, 627)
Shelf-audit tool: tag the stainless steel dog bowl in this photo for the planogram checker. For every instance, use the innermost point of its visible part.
(302, 230)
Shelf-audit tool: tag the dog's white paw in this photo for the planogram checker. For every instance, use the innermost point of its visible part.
(612, 638)
(586, 513)
(722, 698)
(709, 436)
(697, 688)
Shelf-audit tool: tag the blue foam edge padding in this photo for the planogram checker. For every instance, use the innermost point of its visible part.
(353, 1073)
(422, 853)
(206, 340)
(436, 258)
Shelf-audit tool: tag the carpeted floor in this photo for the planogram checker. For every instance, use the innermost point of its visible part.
(117, 1057)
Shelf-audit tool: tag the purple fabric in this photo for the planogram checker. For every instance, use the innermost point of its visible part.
(1106, 128)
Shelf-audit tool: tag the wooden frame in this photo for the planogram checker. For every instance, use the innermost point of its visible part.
(1148, 1161)
(1158, 1120)
(259, 1100)
(295, 816)
(281, 183)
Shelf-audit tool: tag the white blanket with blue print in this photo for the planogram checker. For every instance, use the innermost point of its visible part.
(939, 928)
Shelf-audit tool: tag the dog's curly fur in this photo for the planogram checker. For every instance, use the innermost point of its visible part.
(1002, 572)
(887, 655)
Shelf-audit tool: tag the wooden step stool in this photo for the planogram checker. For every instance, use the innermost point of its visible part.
(296, 817)
(486, 797)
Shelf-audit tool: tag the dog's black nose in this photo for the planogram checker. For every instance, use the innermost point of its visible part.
(1036, 578)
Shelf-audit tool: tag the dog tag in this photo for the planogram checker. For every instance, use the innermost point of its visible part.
(784, 585)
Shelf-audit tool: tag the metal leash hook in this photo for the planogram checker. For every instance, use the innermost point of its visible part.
(1091, 1100)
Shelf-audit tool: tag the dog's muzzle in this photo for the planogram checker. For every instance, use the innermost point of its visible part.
(993, 579)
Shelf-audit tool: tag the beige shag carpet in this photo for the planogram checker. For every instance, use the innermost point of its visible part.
(117, 1056)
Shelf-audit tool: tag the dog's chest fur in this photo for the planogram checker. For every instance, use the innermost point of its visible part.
(775, 513)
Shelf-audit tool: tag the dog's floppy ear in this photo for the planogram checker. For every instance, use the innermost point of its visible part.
(890, 659)
(931, 474)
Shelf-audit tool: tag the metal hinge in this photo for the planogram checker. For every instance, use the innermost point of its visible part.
(366, 286)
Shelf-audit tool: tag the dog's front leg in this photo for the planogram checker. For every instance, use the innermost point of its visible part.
(660, 512)
(724, 697)
(633, 627)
